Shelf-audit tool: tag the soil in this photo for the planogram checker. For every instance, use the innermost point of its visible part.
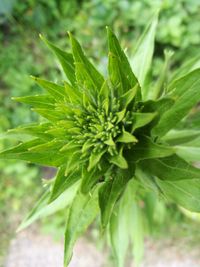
(35, 250)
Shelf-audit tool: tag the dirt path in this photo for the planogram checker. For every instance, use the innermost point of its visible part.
(31, 250)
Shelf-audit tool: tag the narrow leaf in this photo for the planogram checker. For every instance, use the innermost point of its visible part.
(170, 168)
(143, 53)
(66, 60)
(43, 208)
(146, 148)
(183, 192)
(109, 193)
(83, 211)
(187, 94)
(142, 119)
(55, 90)
(63, 182)
(83, 64)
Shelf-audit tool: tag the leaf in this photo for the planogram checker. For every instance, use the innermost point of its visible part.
(33, 129)
(39, 101)
(51, 115)
(119, 230)
(146, 179)
(66, 60)
(170, 168)
(63, 182)
(188, 153)
(120, 225)
(55, 90)
(46, 158)
(83, 211)
(84, 69)
(115, 49)
(142, 119)
(146, 148)
(43, 208)
(117, 76)
(89, 179)
(187, 94)
(94, 159)
(137, 233)
(119, 160)
(73, 95)
(183, 192)
(129, 96)
(176, 137)
(143, 53)
(109, 193)
(187, 66)
(126, 137)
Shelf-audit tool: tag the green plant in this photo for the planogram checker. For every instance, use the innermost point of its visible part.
(117, 142)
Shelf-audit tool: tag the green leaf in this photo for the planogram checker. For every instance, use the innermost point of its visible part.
(66, 60)
(119, 228)
(117, 76)
(46, 158)
(137, 233)
(183, 192)
(146, 149)
(38, 101)
(119, 160)
(43, 208)
(129, 96)
(121, 61)
(142, 119)
(170, 168)
(84, 69)
(126, 137)
(51, 115)
(146, 179)
(188, 153)
(94, 159)
(89, 179)
(63, 182)
(185, 91)
(33, 129)
(83, 211)
(55, 90)
(73, 95)
(109, 193)
(143, 53)
(176, 137)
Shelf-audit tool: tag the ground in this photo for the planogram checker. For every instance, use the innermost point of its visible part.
(30, 249)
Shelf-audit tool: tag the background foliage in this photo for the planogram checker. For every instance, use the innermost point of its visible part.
(23, 54)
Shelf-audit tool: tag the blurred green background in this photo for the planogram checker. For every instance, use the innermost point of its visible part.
(22, 53)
